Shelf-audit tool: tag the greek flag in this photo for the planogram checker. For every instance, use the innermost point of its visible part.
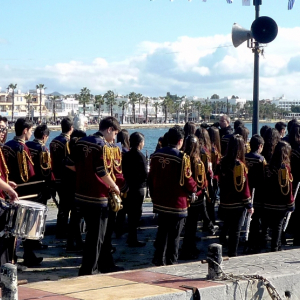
(229, 1)
(291, 4)
(246, 2)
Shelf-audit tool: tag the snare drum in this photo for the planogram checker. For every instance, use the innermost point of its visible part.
(27, 220)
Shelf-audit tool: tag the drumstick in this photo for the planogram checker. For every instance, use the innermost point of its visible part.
(28, 196)
(29, 183)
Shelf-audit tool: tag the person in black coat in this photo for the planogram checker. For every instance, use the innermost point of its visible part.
(134, 167)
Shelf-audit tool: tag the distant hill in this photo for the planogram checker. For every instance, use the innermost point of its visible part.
(56, 94)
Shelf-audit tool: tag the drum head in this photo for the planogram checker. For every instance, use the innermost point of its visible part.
(32, 204)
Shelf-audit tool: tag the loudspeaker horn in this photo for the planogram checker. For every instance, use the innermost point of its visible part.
(264, 30)
(240, 35)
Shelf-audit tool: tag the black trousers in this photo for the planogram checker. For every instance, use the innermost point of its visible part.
(189, 240)
(135, 203)
(167, 239)
(274, 220)
(121, 217)
(96, 221)
(66, 201)
(233, 221)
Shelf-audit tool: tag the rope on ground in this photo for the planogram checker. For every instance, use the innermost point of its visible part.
(251, 279)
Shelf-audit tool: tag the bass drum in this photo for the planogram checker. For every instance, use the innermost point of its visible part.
(27, 220)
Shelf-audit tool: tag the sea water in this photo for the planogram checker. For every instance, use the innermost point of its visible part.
(151, 135)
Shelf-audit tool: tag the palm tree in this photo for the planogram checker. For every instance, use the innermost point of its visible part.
(84, 97)
(40, 87)
(110, 97)
(54, 98)
(13, 87)
(123, 104)
(177, 108)
(146, 102)
(186, 107)
(166, 105)
(198, 106)
(99, 101)
(132, 100)
(139, 98)
(156, 105)
(28, 99)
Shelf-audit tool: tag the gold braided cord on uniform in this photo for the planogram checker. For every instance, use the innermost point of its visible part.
(67, 152)
(5, 165)
(200, 172)
(239, 171)
(112, 159)
(45, 159)
(185, 169)
(284, 179)
(22, 162)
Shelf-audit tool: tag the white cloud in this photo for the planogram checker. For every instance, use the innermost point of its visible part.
(188, 66)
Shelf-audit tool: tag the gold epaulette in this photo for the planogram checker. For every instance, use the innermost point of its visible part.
(200, 176)
(185, 168)
(112, 159)
(22, 162)
(45, 160)
(239, 170)
(5, 165)
(284, 179)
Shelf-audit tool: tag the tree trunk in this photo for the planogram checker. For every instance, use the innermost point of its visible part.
(41, 105)
(84, 108)
(13, 105)
(146, 113)
(99, 111)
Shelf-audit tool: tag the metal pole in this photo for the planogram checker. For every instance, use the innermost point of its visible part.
(256, 50)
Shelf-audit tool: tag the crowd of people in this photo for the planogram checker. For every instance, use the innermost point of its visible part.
(195, 173)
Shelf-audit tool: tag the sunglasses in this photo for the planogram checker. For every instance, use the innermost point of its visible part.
(3, 129)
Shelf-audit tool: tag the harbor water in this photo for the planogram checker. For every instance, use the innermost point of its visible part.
(151, 135)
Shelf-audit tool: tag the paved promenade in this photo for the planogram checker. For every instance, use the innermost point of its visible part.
(57, 279)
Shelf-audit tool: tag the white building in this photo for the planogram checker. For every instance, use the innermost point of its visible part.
(284, 103)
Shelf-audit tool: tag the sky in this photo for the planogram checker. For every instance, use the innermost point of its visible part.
(149, 47)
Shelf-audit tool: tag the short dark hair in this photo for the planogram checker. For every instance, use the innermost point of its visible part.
(280, 125)
(66, 125)
(237, 123)
(109, 122)
(263, 130)
(40, 131)
(175, 134)
(123, 138)
(4, 119)
(135, 139)
(255, 142)
(21, 124)
(290, 124)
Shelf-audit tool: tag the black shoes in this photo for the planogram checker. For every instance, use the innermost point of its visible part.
(40, 246)
(33, 262)
(112, 269)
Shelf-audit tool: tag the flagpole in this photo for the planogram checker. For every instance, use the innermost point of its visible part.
(256, 51)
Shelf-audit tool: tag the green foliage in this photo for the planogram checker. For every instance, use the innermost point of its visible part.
(84, 97)
(110, 97)
(295, 109)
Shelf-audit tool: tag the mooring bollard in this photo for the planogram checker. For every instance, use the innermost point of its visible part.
(9, 280)
(214, 260)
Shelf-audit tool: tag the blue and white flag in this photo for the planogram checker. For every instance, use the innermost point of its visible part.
(246, 2)
(204, 0)
(291, 4)
(229, 1)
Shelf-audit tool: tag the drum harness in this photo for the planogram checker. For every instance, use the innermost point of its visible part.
(251, 280)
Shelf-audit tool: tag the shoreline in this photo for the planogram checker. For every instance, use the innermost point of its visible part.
(138, 126)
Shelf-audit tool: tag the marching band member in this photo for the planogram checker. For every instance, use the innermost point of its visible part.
(234, 192)
(8, 187)
(256, 163)
(170, 183)
(134, 167)
(189, 249)
(278, 196)
(42, 168)
(225, 132)
(21, 170)
(62, 176)
(97, 162)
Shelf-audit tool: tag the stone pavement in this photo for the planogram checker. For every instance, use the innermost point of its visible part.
(56, 278)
